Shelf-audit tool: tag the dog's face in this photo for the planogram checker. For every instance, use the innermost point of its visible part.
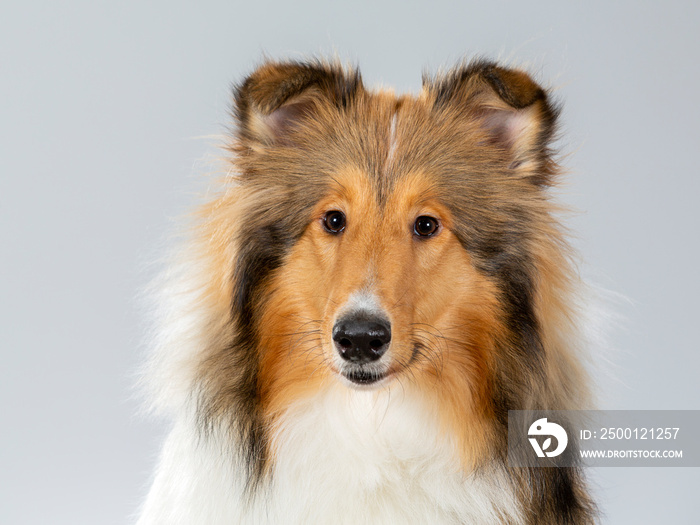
(388, 237)
(380, 278)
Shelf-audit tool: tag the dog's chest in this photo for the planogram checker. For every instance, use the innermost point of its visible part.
(359, 457)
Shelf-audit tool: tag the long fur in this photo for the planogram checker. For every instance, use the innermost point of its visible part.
(483, 315)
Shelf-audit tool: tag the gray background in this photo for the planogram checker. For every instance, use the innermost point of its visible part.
(100, 109)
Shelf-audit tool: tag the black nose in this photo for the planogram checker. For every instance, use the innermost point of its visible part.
(361, 339)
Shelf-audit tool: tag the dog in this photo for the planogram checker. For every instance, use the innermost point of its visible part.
(379, 280)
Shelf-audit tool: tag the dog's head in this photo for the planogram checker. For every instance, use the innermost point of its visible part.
(388, 237)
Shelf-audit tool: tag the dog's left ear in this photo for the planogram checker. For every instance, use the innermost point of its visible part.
(515, 112)
(276, 100)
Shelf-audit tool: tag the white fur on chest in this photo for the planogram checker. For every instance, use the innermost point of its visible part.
(344, 457)
(367, 457)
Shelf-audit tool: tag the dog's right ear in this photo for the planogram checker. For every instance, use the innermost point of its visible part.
(273, 102)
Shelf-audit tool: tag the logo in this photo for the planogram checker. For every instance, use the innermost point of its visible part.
(542, 427)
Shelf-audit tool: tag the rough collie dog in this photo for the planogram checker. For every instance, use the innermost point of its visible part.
(379, 280)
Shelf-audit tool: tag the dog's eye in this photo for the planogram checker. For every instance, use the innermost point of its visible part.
(425, 226)
(334, 221)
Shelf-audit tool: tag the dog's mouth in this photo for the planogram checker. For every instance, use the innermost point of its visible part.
(363, 377)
